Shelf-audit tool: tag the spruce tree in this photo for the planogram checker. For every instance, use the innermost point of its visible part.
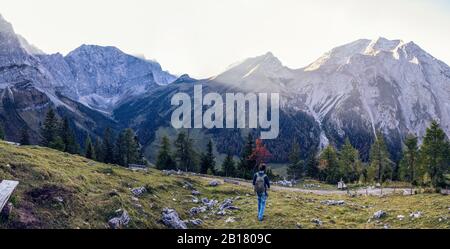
(208, 162)
(89, 149)
(228, 166)
(246, 163)
(98, 148)
(185, 153)
(127, 148)
(311, 165)
(68, 137)
(329, 165)
(350, 164)
(409, 165)
(50, 130)
(164, 159)
(380, 168)
(2, 132)
(435, 154)
(24, 136)
(296, 166)
(108, 146)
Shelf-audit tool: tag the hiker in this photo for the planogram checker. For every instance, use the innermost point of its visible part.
(261, 184)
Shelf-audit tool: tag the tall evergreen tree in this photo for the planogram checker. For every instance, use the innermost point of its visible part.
(208, 162)
(108, 146)
(409, 165)
(89, 148)
(312, 165)
(68, 137)
(246, 163)
(50, 130)
(380, 168)
(98, 148)
(127, 148)
(434, 152)
(350, 164)
(24, 136)
(185, 153)
(228, 166)
(329, 165)
(2, 132)
(296, 166)
(164, 159)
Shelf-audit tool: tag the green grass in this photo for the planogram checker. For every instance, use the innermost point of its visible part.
(92, 191)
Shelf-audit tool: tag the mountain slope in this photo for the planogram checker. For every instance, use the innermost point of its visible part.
(59, 190)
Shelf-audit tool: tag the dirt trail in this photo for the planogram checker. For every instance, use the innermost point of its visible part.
(361, 191)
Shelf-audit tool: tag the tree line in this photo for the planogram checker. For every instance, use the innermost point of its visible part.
(186, 158)
(424, 165)
(122, 149)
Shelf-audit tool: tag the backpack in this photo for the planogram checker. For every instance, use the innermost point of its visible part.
(260, 186)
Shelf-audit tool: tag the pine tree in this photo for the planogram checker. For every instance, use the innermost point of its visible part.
(246, 163)
(228, 166)
(24, 137)
(108, 146)
(329, 165)
(312, 165)
(50, 131)
(164, 159)
(98, 148)
(434, 152)
(207, 160)
(2, 132)
(409, 170)
(127, 150)
(350, 164)
(296, 166)
(68, 137)
(185, 153)
(89, 149)
(380, 168)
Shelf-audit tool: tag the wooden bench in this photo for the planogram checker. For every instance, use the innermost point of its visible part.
(6, 189)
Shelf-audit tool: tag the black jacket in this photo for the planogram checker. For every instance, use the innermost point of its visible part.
(266, 179)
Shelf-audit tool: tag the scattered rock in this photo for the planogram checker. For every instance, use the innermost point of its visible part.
(196, 210)
(317, 222)
(58, 199)
(227, 204)
(134, 198)
(379, 214)
(120, 221)
(415, 215)
(386, 226)
(188, 185)
(195, 192)
(172, 172)
(222, 213)
(333, 202)
(195, 200)
(214, 183)
(209, 203)
(171, 219)
(230, 220)
(286, 183)
(138, 191)
(196, 222)
(298, 225)
(400, 217)
(311, 185)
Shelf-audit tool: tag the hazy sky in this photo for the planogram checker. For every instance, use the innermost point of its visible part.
(202, 37)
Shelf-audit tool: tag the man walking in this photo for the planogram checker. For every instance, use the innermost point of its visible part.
(261, 183)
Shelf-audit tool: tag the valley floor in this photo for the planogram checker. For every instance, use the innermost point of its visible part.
(58, 190)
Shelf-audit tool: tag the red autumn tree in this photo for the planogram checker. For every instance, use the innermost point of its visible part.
(260, 153)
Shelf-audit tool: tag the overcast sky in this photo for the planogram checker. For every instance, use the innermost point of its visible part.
(202, 37)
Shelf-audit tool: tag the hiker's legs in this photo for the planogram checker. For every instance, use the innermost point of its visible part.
(259, 203)
(263, 199)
